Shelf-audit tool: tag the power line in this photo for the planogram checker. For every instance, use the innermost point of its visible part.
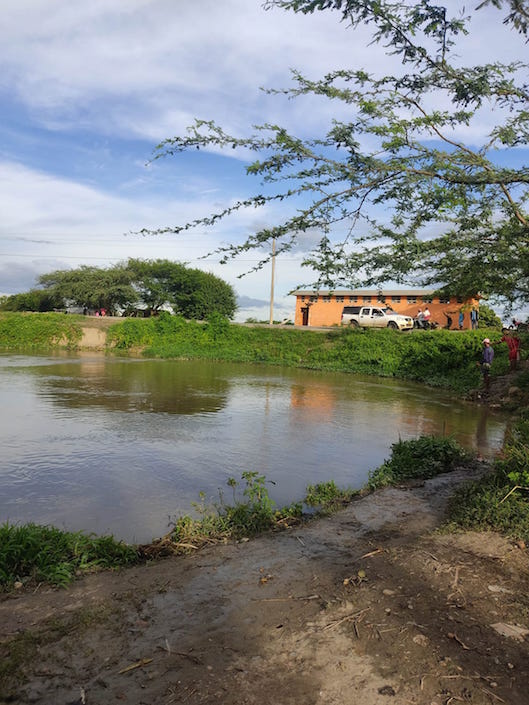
(83, 257)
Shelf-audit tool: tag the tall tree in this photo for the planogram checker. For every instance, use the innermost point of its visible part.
(93, 287)
(198, 294)
(34, 300)
(155, 280)
(395, 191)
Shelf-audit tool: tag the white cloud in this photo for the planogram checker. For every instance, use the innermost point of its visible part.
(50, 223)
(102, 76)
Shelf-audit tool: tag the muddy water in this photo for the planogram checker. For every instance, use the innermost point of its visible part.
(123, 446)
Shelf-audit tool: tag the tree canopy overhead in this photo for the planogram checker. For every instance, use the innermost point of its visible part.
(407, 188)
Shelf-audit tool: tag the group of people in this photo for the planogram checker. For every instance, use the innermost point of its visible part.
(487, 355)
(423, 318)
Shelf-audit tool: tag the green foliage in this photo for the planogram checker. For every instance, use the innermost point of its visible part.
(515, 461)
(247, 516)
(438, 358)
(218, 326)
(256, 513)
(488, 318)
(33, 300)
(142, 286)
(192, 293)
(92, 287)
(489, 505)
(44, 553)
(201, 294)
(422, 458)
(458, 212)
(328, 496)
(38, 330)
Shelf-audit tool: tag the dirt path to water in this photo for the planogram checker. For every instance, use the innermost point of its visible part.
(370, 605)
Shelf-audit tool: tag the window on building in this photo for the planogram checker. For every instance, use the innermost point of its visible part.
(444, 299)
(427, 299)
(395, 299)
(313, 299)
(326, 299)
(340, 299)
(366, 299)
(411, 299)
(353, 299)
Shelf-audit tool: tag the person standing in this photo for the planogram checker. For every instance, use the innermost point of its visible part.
(513, 343)
(474, 318)
(487, 356)
(426, 315)
(461, 319)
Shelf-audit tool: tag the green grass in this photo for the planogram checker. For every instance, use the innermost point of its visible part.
(36, 553)
(39, 330)
(419, 458)
(328, 497)
(438, 358)
(500, 501)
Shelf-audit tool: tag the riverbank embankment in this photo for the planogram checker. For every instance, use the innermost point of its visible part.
(368, 605)
(439, 358)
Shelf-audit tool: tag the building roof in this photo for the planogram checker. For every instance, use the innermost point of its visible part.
(364, 292)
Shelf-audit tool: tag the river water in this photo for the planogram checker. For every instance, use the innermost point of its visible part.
(123, 446)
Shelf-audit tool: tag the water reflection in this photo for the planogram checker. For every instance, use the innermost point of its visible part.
(144, 386)
(120, 446)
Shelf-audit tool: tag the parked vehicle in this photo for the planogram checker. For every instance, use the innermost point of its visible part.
(375, 317)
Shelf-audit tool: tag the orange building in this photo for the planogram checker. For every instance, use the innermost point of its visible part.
(324, 308)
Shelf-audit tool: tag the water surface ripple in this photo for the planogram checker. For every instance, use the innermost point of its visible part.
(122, 446)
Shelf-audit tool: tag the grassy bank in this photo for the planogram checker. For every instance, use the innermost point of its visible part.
(500, 501)
(497, 502)
(32, 553)
(438, 358)
(38, 331)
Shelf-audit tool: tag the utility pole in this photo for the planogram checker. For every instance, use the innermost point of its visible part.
(272, 282)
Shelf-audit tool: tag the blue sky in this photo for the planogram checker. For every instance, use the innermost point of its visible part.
(89, 89)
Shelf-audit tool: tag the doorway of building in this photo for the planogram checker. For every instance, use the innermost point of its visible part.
(305, 316)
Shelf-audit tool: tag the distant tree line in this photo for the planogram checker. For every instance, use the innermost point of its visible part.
(135, 287)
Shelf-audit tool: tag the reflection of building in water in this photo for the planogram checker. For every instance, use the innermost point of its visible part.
(318, 401)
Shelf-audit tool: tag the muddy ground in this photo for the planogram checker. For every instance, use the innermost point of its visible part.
(371, 605)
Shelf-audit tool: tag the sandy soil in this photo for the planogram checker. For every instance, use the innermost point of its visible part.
(370, 605)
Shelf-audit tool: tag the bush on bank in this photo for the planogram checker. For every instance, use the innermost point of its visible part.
(38, 330)
(45, 553)
(438, 358)
(499, 501)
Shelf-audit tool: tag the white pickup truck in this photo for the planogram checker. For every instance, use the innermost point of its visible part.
(375, 317)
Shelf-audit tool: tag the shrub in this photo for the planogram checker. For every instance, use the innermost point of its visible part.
(35, 552)
(423, 458)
